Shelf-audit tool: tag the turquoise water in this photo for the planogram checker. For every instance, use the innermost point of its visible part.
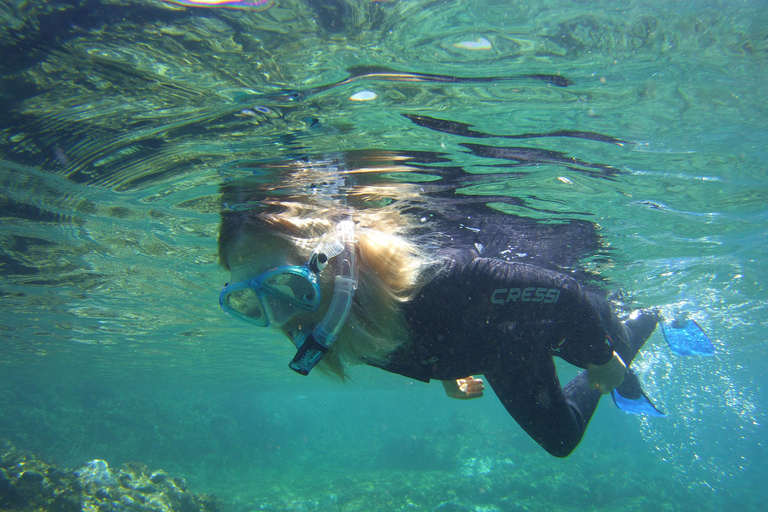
(119, 121)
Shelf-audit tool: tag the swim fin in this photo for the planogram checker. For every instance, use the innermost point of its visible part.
(686, 338)
(630, 397)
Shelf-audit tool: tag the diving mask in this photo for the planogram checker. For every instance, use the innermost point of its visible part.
(274, 297)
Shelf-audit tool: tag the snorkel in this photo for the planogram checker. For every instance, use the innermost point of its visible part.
(313, 346)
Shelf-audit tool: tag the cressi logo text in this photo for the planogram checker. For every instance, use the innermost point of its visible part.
(531, 294)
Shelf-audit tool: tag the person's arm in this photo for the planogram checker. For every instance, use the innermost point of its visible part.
(464, 389)
(606, 377)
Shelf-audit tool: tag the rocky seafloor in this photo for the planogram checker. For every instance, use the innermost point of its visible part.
(28, 484)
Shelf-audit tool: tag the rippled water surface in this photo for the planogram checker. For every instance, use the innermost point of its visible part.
(121, 119)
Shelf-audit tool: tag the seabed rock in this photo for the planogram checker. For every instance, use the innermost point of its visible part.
(27, 484)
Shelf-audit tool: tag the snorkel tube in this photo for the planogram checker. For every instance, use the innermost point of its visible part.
(312, 347)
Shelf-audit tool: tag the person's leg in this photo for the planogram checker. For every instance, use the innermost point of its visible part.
(639, 328)
(627, 337)
(555, 418)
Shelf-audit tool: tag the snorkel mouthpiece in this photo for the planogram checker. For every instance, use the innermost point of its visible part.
(312, 347)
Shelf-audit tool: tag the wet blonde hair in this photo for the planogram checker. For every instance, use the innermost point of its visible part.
(393, 264)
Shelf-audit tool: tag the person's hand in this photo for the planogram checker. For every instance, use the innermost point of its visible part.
(606, 377)
(464, 389)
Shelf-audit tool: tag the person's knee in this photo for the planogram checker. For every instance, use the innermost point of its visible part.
(560, 450)
(560, 444)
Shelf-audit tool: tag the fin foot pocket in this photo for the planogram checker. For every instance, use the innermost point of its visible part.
(630, 398)
(640, 406)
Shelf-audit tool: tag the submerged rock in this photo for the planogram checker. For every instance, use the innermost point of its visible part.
(96, 473)
(27, 484)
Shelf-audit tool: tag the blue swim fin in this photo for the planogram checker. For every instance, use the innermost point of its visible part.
(686, 338)
(630, 397)
(640, 406)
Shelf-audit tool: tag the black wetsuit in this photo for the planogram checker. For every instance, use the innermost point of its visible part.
(506, 321)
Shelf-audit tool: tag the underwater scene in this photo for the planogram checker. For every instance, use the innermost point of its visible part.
(623, 143)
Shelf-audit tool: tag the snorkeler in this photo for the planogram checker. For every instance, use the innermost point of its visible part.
(377, 279)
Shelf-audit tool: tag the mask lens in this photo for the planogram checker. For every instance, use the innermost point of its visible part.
(246, 303)
(298, 290)
(279, 311)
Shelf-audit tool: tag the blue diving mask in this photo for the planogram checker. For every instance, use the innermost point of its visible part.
(274, 297)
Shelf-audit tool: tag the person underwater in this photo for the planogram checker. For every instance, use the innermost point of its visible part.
(352, 285)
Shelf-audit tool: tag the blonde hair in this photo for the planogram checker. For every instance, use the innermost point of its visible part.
(393, 264)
